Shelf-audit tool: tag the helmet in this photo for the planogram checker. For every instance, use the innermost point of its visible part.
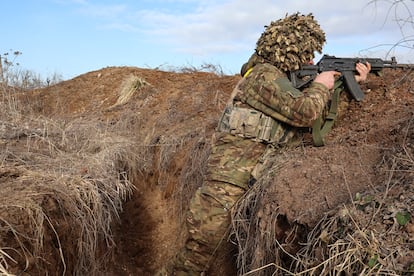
(289, 42)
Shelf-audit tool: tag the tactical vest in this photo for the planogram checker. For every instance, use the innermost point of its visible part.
(241, 120)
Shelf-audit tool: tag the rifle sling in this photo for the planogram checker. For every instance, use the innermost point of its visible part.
(318, 130)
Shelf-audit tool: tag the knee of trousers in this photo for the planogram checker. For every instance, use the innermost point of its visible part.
(209, 212)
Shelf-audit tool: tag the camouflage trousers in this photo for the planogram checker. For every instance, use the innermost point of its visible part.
(229, 169)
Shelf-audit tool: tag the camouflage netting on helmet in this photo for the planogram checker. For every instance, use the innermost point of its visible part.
(289, 42)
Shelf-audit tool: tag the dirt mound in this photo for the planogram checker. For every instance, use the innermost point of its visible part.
(97, 172)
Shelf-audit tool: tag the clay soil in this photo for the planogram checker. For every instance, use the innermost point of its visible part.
(169, 120)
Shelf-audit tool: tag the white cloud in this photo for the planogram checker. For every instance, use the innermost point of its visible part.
(209, 27)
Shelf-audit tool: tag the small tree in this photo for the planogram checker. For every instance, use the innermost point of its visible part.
(12, 75)
(6, 64)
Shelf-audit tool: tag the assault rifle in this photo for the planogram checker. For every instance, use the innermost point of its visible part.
(346, 66)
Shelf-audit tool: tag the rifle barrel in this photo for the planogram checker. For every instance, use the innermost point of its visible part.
(400, 66)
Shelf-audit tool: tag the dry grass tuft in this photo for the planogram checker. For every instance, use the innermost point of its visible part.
(129, 87)
(4, 260)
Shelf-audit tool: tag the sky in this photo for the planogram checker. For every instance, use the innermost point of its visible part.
(73, 37)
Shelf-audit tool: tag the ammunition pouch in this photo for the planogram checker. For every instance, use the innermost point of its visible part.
(252, 124)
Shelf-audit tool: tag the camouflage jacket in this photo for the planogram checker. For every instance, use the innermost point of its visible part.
(267, 90)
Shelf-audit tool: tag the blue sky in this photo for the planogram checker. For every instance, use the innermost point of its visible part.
(73, 37)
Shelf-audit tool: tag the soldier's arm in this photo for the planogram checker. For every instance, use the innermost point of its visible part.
(270, 91)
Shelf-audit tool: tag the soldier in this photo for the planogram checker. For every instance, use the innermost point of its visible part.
(265, 112)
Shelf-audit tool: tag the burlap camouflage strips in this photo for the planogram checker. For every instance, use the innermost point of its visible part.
(289, 42)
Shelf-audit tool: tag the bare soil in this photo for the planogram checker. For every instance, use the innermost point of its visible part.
(170, 119)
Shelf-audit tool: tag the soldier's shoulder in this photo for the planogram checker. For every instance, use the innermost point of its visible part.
(267, 69)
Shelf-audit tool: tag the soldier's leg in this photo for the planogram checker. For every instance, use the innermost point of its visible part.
(208, 222)
(228, 173)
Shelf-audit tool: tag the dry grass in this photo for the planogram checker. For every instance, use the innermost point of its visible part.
(192, 173)
(257, 227)
(65, 181)
(4, 260)
(88, 190)
(372, 235)
(63, 184)
(130, 86)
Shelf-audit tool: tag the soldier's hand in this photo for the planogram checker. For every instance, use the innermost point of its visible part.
(327, 78)
(363, 71)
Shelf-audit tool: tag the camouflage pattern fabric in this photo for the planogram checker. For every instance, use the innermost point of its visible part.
(234, 160)
(253, 61)
(268, 90)
(229, 170)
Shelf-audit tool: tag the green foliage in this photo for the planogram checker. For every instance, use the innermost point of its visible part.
(373, 261)
(403, 218)
(362, 201)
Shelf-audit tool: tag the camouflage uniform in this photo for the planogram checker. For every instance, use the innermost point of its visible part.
(265, 109)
